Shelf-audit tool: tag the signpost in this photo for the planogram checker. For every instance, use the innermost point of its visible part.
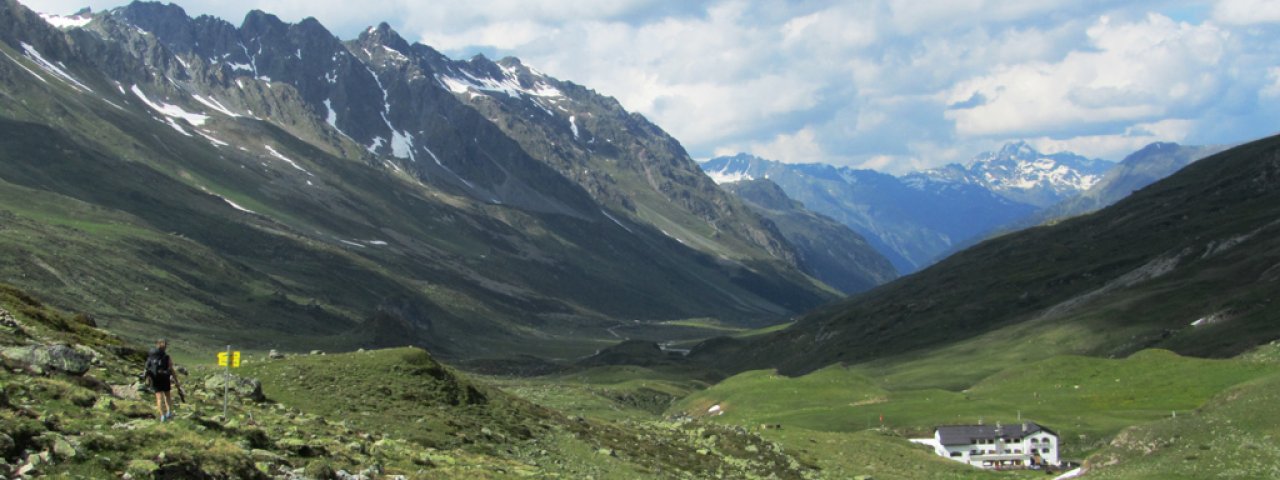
(228, 359)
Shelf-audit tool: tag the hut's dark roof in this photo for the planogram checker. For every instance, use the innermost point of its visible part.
(967, 434)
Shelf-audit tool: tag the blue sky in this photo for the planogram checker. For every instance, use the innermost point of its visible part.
(894, 85)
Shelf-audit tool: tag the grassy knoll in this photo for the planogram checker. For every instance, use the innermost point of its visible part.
(1231, 436)
(623, 392)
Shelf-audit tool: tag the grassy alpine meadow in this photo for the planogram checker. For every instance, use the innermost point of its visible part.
(1086, 400)
(1231, 436)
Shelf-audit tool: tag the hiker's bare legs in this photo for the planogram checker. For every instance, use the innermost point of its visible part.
(163, 404)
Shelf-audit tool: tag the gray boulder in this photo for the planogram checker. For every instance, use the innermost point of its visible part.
(245, 387)
(7, 319)
(59, 358)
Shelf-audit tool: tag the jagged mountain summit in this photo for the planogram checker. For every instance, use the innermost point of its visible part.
(271, 178)
(912, 222)
(1020, 173)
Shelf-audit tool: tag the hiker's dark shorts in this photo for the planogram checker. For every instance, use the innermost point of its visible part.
(160, 384)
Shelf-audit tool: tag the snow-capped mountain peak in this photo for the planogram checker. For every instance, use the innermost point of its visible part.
(1021, 173)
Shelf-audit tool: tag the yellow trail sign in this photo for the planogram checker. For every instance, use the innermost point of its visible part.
(235, 359)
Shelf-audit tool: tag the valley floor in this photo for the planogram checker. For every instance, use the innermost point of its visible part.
(398, 413)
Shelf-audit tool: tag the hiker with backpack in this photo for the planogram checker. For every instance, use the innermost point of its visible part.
(160, 376)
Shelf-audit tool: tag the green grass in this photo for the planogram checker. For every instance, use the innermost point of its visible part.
(1231, 436)
(706, 324)
(414, 396)
(1086, 400)
(612, 393)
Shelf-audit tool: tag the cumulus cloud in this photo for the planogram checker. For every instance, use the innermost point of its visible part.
(1116, 146)
(893, 85)
(1134, 72)
(1246, 12)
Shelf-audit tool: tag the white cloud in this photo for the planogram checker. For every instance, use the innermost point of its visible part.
(1272, 89)
(798, 147)
(1117, 146)
(885, 84)
(1246, 12)
(1137, 71)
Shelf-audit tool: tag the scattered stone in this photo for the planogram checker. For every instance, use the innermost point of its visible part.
(63, 449)
(141, 468)
(33, 464)
(95, 358)
(300, 447)
(607, 452)
(245, 387)
(105, 403)
(127, 392)
(267, 456)
(7, 319)
(317, 352)
(752, 449)
(50, 357)
(320, 470)
(275, 354)
(703, 451)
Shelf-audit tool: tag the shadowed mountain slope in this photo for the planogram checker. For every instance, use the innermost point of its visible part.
(1190, 264)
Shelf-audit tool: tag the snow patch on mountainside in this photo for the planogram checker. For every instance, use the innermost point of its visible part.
(171, 112)
(508, 84)
(288, 160)
(215, 105)
(24, 67)
(624, 227)
(55, 69)
(402, 145)
(213, 140)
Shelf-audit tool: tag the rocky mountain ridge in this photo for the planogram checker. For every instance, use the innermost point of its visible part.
(272, 178)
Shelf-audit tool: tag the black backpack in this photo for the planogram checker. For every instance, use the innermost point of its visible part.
(157, 364)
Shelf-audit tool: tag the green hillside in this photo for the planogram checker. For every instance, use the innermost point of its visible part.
(69, 409)
(250, 218)
(1188, 264)
(827, 250)
(1231, 436)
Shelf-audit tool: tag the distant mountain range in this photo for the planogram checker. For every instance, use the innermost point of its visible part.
(910, 220)
(270, 184)
(1189, 263)
(919, 218)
